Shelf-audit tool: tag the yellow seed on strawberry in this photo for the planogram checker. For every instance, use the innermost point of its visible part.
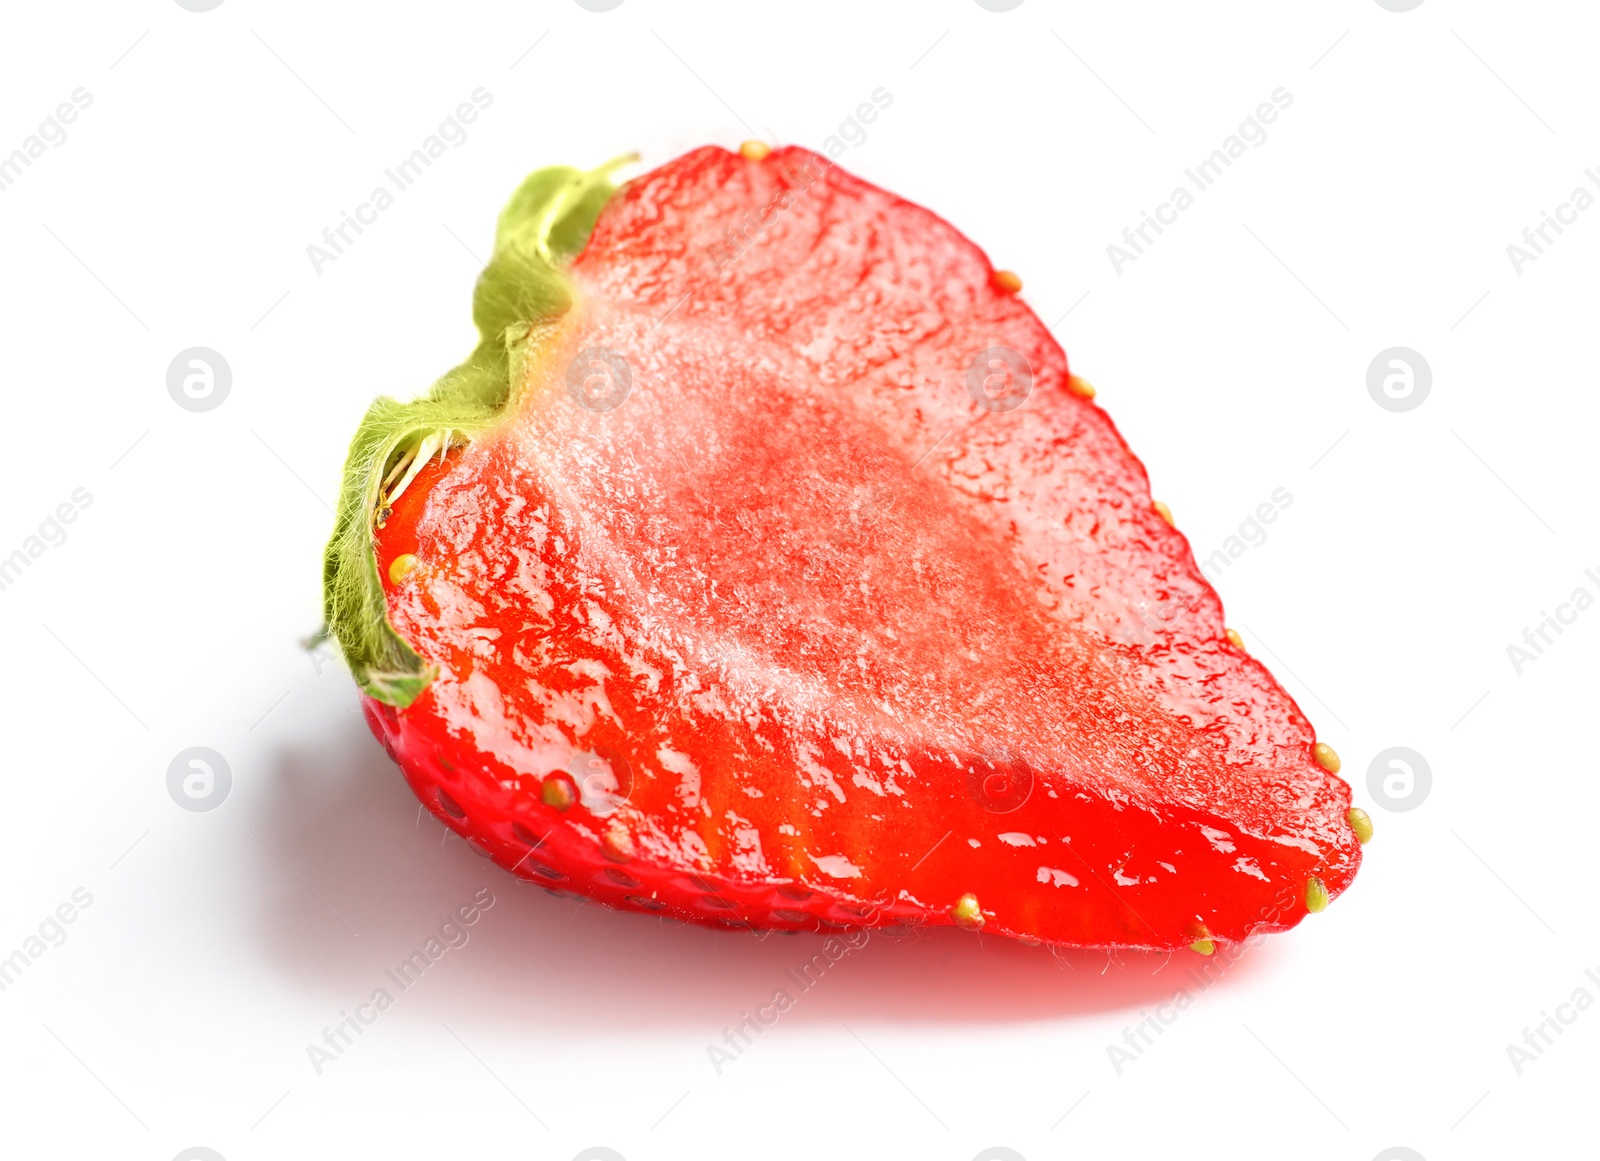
(558, 790)
(1007, 281)
(1361, 823)
(1326, 757)
(617, 843)
(1316, 895)
(1203, 946)
(755, 150)
(1080, 387)
(966, 913)
(1234, 639)
(402, 566)
(1162, 511)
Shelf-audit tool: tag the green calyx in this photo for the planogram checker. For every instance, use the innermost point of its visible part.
(519, 297)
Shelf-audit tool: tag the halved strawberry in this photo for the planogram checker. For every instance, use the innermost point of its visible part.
(766, 566)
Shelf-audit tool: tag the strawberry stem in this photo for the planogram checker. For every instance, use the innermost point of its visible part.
(518, 298)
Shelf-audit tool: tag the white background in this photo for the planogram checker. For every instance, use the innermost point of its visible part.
(1233, 355)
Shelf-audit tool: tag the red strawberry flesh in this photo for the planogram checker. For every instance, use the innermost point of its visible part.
(820, 637)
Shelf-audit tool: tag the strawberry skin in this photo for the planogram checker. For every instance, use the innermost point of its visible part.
(846, 606)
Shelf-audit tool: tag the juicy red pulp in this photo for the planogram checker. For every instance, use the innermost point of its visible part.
(816, 635)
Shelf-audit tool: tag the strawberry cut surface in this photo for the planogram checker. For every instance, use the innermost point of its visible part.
(798, 583)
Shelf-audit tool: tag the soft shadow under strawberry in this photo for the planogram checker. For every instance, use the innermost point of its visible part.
(381, 879)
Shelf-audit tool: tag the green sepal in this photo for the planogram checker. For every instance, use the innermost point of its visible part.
(521, 292)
